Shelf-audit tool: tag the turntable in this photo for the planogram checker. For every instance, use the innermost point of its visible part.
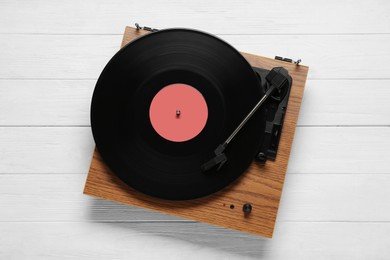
(186, 125)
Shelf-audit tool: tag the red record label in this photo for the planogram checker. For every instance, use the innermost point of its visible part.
(178, 112)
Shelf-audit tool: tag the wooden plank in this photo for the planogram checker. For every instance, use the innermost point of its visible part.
(231, 17)
(346, 102)
(317, 150)
(341, 150)
(45, 150)
(67, 103)
(301, 241)
(84, 56)
(55, 56)
(306, 197)
(45, 102)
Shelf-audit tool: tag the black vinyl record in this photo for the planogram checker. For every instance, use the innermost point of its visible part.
(123, 132)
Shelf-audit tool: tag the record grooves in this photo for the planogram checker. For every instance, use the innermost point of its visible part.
(121, 125)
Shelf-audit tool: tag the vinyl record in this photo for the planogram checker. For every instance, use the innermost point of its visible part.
(217, 88)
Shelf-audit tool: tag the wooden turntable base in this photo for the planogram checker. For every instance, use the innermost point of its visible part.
(259, 185)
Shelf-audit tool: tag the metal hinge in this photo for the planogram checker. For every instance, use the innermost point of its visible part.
(145, 28)
(288, 60)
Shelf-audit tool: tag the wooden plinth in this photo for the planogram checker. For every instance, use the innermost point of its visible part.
(259, 185)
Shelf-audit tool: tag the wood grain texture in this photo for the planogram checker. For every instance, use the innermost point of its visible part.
(306, 198)
(316, 150)
(84, 56)
(259, 185)
(166, 240)
(218, 16)
(67, 103)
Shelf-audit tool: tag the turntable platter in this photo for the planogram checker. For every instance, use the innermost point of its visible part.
(156, 143)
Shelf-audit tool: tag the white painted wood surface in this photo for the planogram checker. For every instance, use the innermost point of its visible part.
(336, 200)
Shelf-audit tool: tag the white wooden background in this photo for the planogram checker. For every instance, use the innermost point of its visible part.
(336, 200)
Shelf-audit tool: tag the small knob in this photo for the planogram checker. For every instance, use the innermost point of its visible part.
(247, 208)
